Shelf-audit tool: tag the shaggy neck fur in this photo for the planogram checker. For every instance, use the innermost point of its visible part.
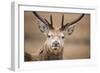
(47, 53)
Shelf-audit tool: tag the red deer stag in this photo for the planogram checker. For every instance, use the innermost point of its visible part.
(54, 45)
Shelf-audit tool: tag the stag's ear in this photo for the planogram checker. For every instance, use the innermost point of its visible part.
(69, 30)
(43, 27)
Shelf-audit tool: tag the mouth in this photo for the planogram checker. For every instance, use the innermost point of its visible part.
(55, 48)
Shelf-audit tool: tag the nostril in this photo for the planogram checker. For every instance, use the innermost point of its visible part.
(56, 44)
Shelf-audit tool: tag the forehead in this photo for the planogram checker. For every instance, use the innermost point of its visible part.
(55, 32)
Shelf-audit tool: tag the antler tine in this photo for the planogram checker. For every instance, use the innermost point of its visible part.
(51, 22)
(62, 21)
(71, 23)
(51, 19)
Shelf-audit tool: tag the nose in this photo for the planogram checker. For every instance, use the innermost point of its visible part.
(56, 44)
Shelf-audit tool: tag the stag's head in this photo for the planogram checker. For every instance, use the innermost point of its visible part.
(55, 37)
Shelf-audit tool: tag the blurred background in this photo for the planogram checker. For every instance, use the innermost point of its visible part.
(77, 45)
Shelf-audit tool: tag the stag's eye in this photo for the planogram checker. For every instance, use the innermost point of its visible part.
(63, 37)
(49, 36)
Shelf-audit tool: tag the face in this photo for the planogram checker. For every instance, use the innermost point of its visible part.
(55, 39)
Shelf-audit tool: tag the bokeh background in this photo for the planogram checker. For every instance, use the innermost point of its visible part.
(77, 45)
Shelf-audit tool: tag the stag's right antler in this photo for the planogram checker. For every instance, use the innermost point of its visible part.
(71, 23)
(44, 20)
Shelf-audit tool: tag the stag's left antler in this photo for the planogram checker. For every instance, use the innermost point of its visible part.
(71, 23)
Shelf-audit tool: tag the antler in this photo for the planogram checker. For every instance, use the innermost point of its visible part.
(45, 20)
(71, 23)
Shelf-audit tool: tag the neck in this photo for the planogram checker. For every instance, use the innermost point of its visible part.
(47, 53)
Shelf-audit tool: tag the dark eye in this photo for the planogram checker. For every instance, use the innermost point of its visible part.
(49, 36)
(62, 37)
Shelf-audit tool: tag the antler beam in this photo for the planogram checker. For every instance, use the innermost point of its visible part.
(71, 23)
(44, 20)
